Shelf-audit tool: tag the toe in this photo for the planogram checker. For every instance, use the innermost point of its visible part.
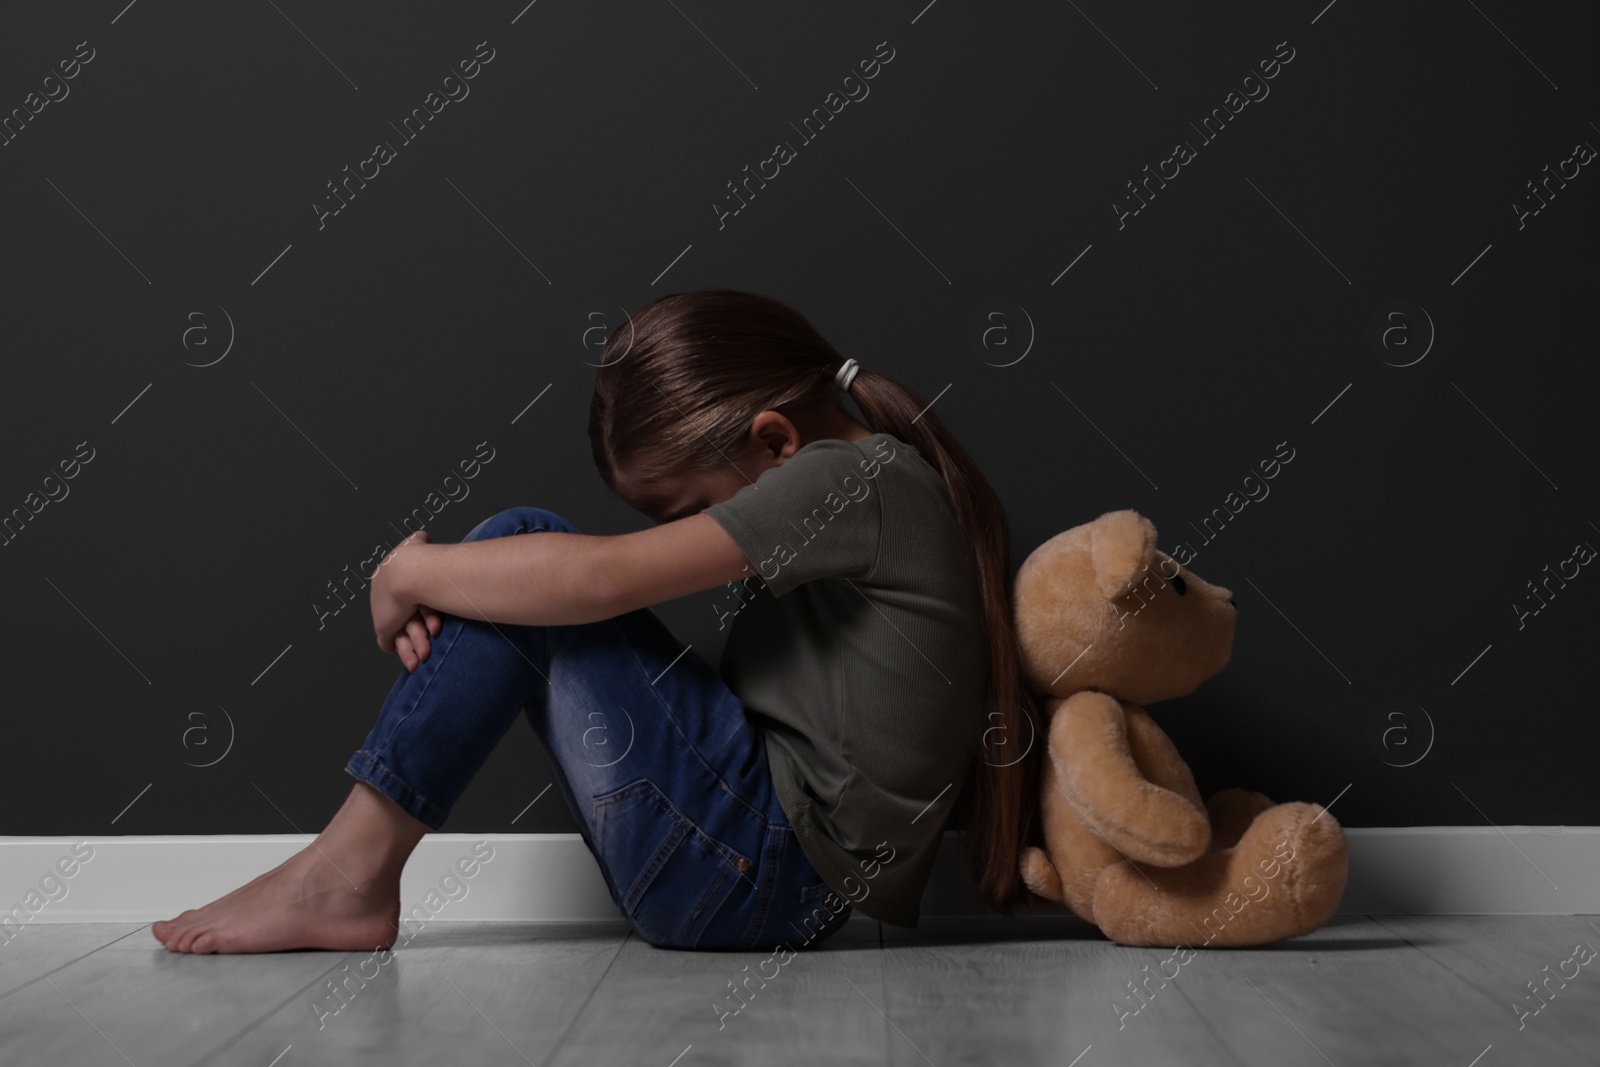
(184, 940)
(205, 941)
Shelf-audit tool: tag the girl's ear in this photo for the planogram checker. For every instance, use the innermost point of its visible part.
(774, 437)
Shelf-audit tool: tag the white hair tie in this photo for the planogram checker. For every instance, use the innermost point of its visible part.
(847, 374)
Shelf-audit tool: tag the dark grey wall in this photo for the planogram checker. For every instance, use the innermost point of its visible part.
(164, 212)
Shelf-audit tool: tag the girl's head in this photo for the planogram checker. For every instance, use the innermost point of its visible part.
(682, 383)
(677, 394)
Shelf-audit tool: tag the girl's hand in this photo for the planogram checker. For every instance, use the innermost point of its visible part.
(402, 625)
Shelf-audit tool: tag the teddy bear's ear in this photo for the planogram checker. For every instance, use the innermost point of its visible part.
(1121, 543)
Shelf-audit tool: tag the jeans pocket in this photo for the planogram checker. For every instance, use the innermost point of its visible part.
(672, 877)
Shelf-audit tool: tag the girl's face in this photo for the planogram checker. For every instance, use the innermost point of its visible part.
(774, 437)
(689, 494)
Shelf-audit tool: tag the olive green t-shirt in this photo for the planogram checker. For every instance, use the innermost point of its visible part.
(861, 654)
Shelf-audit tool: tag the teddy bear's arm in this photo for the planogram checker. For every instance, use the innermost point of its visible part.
(1126, 780)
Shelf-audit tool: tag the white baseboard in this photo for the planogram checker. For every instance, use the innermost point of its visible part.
(1519, 870)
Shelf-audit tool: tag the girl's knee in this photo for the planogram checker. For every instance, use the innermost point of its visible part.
(518, 520)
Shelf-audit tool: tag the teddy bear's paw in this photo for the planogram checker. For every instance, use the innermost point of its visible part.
(1318, 863)
(1232, 811)
(1283, 879)
(1040, 876)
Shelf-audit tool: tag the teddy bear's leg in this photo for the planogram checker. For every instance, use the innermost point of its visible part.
(1283, 879)
(1102, 780)
(1040, 876)
(1232, 811)
(1073, 854)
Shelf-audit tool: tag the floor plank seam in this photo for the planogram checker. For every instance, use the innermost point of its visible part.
(1559, 1036)
(75, 959)
(1451, 971)
(561, 1040)
(1222, 1042)
(883, 990)
(270, 1013)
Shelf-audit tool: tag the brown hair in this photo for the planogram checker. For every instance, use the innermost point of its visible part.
(677, 390)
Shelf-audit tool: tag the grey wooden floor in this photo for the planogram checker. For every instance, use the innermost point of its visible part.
(1382, 989)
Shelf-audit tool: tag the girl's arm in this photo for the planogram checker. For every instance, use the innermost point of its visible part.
(555, 578)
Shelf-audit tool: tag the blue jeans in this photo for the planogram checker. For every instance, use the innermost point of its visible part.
(666, 777)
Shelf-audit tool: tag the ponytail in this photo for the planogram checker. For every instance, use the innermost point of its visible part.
(1004, 795)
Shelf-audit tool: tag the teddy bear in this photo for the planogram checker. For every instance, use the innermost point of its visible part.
(1106, 623)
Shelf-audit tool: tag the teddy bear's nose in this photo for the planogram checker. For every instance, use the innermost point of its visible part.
(1233, 602)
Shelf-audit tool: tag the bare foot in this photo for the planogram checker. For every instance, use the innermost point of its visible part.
(304, 903)
(340, 892)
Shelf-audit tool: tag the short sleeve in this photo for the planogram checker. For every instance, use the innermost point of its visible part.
(816, 515)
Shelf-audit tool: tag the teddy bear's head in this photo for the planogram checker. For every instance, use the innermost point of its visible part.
(1100, 607)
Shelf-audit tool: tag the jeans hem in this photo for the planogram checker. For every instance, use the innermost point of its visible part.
(364, 766)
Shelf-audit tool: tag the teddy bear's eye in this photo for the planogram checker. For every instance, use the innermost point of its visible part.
(1179, 584)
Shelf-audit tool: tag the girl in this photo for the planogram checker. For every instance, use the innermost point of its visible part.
(866, 577)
